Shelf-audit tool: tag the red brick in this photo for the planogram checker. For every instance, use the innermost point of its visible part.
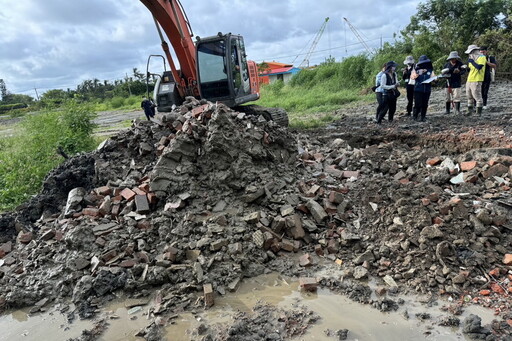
(494, 272)
(434, 161)
(485, 292)
(91, 211)
(425, 202)
(152, 198)
(138, 191)
(109, 255)
(144, 187)
(47, 235)
(468, 165)
(128, 194)
(495, 287)
(2, 253)
(438, 221)
(104, 190)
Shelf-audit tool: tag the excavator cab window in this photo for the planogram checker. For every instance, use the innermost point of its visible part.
(212, 64)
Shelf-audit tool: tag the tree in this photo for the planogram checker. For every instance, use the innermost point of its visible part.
(3, 90)
(455, 24)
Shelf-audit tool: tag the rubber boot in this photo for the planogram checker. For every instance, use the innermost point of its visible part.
(470, 110)
(448, 106)
(479, 111)
(457, 108)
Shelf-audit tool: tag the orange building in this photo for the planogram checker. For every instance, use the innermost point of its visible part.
(277, 71)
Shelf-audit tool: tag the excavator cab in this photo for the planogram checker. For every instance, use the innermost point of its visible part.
(223, 71)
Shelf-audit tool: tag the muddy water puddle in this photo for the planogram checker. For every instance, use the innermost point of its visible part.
(336, 312)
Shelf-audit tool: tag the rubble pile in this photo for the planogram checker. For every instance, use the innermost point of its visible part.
(205, 196)
(161, 204)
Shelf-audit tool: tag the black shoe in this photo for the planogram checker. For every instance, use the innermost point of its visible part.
(423, 119)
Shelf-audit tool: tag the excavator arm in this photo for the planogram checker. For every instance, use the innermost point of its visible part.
(170, 16)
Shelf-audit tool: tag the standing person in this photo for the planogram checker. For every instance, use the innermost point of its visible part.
(147, 105)
(455, 69)
(379, 91)
(476, 64)
(409, 83)
(389, 83)
(490, 66)
(423, 71)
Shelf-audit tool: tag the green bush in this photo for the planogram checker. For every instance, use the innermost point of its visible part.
(8, 107)
(116, 102)
(31, 154)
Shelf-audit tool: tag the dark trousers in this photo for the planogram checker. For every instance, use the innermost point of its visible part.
(389, 106)
(380, 104)
(410, 98)
(486, 84)
(420, 104)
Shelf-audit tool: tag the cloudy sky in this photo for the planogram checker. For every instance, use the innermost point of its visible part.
(56, 44)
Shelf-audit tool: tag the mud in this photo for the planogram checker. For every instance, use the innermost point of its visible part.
(207, 196)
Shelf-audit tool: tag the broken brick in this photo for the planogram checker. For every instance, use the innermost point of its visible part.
(128, 194)
(103, 190)
(208, 295)
(507, 259)
(91, 211)
(308, 283)
(468, 165)
(434, 161)
(305, 260)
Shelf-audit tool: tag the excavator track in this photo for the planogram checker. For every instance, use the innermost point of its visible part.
(278, 115)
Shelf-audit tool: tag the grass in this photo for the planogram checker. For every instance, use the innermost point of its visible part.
(118, 103)
(310, 108)
(27, 156)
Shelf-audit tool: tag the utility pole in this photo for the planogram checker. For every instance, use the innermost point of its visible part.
(37, 95)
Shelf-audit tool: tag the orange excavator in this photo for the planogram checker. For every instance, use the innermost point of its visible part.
(214, 68)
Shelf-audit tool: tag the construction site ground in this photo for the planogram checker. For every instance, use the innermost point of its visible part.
(208, 224)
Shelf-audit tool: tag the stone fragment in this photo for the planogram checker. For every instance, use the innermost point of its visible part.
(287, 245)
(141, 204)
(431, 232)
(25, 237)
(233, 285)
(360, 272)
(317, 211)
(75, 197)
(252, 218)
(366, 256)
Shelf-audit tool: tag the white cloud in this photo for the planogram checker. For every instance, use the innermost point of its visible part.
(59, 43)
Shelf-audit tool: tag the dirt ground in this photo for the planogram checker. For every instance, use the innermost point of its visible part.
(181, 210)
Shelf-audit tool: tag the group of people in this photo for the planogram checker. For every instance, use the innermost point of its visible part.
(418, 78)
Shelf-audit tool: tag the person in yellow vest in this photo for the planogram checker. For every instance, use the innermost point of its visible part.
(476, 64)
